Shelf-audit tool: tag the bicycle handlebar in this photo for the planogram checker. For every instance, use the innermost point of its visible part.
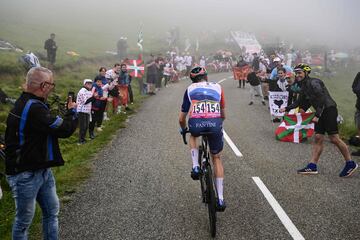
(184, 136)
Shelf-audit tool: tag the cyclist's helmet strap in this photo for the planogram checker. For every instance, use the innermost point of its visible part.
(197, 73)
(303, 67)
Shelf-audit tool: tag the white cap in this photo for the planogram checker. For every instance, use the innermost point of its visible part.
(277, 59)
(87, 81)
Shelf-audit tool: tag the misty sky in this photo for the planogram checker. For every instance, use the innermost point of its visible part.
(318, 21)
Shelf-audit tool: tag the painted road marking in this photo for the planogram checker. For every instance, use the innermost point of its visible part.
(221, 80)
(286, 221)
(232, 145)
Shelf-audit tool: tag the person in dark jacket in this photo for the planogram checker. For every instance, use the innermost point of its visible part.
(97, 108)
(255, 87)
(32, 148)
(124, 83)
(51, 48)
(314, 93)
(356, 90)
(243, 67)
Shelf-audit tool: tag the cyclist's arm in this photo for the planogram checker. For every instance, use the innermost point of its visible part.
(222, 105)
(184, 110)
(182, 119)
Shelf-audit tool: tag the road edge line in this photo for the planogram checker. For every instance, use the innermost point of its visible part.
(286, 221)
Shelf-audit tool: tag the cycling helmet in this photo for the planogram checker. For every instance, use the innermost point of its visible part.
(303, 67)
(197, 73)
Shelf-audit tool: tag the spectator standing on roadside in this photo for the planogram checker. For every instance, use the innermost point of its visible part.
(51, 48)
(151, 75)
(32, 148)
(124, 82)
(356, 90)
(96, 108)
(105, 86)
(160, 63)
(274, 73)
(168, 70)
(83, 100)
(314, 93)
(112, 76)
(188, 64)
(243, 65)
(255, 87)
(202, 62)
(255, 62)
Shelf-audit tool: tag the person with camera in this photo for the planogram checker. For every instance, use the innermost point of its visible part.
(32, 148)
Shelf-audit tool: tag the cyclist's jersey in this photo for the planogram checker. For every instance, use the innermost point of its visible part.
(203, 100)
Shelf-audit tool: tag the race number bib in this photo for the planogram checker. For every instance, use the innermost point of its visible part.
(205, 109)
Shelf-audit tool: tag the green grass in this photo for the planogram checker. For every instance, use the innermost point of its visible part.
(78, 158)
(69, 73)
(340, 89)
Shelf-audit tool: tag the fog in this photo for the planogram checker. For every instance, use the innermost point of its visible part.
(330, 22)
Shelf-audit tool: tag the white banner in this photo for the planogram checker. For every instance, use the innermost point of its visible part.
(247, 40)
(277, 100)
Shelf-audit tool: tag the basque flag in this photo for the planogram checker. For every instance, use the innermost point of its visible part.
(295, 127)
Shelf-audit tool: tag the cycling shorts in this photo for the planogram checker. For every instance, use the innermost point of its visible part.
(327, 122)
(213, 125)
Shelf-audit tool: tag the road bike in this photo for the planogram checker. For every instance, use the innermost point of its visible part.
(208, 189)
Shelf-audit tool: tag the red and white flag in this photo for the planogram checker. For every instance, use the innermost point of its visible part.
(295, 127)
(135, 67)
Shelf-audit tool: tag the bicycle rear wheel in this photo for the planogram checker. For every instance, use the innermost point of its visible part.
(210, 192)
(202, 180)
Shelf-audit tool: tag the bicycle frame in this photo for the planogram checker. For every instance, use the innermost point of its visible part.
(208, 189)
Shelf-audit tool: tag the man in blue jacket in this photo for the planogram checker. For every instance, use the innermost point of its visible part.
(32, 148)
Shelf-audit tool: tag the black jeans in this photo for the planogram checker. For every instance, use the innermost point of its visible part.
(84, 119)
(131, 95)
(96, 118)
(167, 78)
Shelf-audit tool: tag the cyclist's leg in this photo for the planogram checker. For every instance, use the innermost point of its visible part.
(219, 175)
(194, 151)
(195, 131)
(216, 145)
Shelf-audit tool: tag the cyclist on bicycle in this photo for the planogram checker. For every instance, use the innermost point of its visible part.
(205, 104)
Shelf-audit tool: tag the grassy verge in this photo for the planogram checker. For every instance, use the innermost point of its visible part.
(78, 158)
(340, 89)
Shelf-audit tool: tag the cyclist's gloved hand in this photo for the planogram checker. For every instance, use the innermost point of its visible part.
(182, 131)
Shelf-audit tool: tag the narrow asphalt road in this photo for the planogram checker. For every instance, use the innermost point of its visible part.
(141, 186)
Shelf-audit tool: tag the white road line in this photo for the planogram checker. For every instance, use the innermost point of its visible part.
(286, 221)
(232, 145)
(230, 77)
(221, 80)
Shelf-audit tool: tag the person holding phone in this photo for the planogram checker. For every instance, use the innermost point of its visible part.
(32, 148)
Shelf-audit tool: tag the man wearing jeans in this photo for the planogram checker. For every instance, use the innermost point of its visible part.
(32, 147)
